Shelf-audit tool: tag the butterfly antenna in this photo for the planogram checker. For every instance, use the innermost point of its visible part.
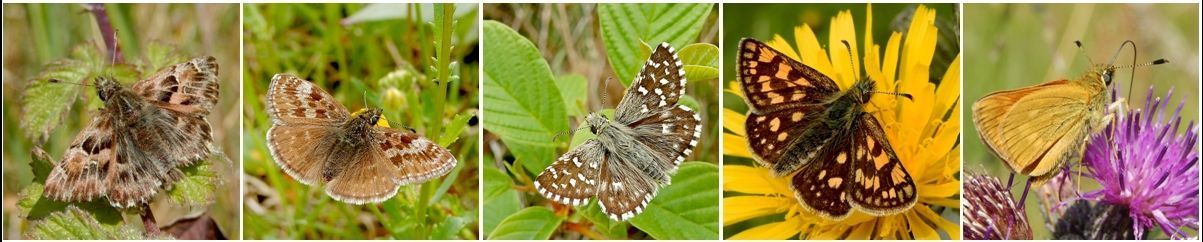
(569, 132)
(851, 63)
(1083, 52)
(53, 80)
(605, 92)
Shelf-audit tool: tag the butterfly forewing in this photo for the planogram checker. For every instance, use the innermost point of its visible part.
(572, 179)
(294, 100)
(772, 81)
(658, 86)
(189, 87)
(880, 184)
(1006, 124)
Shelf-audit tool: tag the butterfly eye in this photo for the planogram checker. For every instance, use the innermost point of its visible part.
(1107, 76)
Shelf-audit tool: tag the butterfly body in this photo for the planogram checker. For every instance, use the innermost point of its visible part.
(136, 143)
(800, 123)
(315, 139)
(1036, 129)
(636, 153)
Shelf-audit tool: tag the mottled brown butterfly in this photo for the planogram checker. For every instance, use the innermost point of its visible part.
(137, 142)
(800, 123)
(634, 155)
(314, 138)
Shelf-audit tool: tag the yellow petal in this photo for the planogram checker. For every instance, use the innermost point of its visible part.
(811, 51)
(949, 90)
(734, 121)
(778, 43)
(771, 231)
(735, 145)
(862, 231)
(890, 70)
(754, 180)
(740, 208)
(946, 189)
(733, 88)
(829, 233)
(919, 228)
(949, 227)
(952, 202)
(843, 58)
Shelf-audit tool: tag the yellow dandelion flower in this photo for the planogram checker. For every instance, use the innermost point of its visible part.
(924, 133)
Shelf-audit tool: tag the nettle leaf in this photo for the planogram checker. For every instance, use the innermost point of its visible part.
(575, 91)
(74, 223)
(45, 103)
(601, 222)
(34, 206)
(159, 55)
(525, 107)
(625, 27)
(500, 198)
(532, 223)
(197, 188)
(687, 209)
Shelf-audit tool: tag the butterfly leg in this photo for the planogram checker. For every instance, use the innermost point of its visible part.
(1024, 197)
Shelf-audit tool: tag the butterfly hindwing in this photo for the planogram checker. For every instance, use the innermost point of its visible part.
(80, 176)
(822, 185)
(294, 150)
(623, 191)
(659, 84)
(418, 158)
(772, 134)
(880, 185)
(572, 179)
(771, 80)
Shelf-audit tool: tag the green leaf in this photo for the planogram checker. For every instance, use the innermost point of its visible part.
(525, 108)
(574, 90)
(601, 222)
(501, 200)
(687, 209)
(159, 55)
(701, 61)
(33, 206)
(532, 223)
(454, 129)
(45, 103)
(77, 224)
(625, 27)
(198, 188)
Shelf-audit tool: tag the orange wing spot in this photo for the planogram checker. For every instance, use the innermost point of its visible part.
(843, 157)
(767, 56)
(822, 174)
(835, 182)
(782, 136)
(870, 143)
(797, 96)
(881, 161)
(774, 125)
(797, 116)
(783, 71)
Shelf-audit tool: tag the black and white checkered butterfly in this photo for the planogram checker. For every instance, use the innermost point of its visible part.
(636, 153)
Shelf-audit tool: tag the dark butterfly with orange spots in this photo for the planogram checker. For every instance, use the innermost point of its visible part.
(801, 123)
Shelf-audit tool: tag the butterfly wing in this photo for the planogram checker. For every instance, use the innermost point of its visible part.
(880, 185)
(303, 119)
(1035, 129)
(658, 86)
(572, 179)
(190, 87)
(291, 100)
(772, 81)
(300, 150)
(821, 187)
(623, 191)
(80, 175)
(418, 158)
(368, 177)
(786, 133)
(671, 134)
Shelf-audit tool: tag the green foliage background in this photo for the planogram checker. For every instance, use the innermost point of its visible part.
(1017, 45)
(547, 68)
(63, 41)
(381, 54)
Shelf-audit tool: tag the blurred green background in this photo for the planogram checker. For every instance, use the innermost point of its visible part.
(1010, 46)
(381, 54)
(38, 34)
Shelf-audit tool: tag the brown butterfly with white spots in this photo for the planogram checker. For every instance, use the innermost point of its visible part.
(313, 138)
(800, 123)
(137, 142)
(636, 153)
